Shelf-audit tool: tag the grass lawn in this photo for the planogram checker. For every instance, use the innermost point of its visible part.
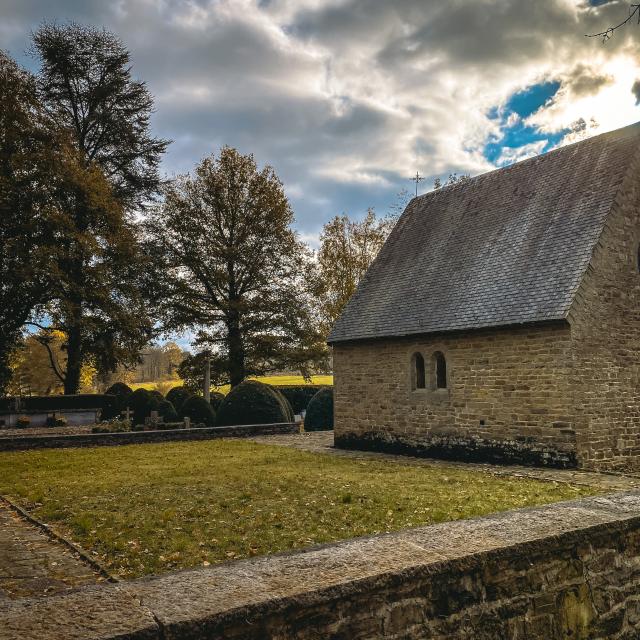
(146, 509)
(274, 380)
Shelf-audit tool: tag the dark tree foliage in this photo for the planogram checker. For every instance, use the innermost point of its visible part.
(191, 371)
(85, 83)
(234, 269)
(30, 154)
(320, 411)
(87, 86)
(253, 402)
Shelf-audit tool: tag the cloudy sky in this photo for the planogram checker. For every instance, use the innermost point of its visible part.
(348, 98)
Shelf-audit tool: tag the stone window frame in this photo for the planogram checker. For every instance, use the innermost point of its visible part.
(437, 359)
(431, 393)
(418, 379)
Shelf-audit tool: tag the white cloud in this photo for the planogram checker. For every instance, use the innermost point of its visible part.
(509, 155)
(348, 98)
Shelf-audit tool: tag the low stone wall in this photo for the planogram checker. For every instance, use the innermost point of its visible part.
(569, 570)
(21, 443)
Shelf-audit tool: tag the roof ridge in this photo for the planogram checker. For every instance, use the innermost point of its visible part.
(615, 133)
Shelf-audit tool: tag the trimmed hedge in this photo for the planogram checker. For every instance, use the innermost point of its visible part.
(285, 404)
(142, 403)
(120, 392)
(300, 395)
(49, 404)
(119, 389)
(253, 402)
(320, 411)
(167, 411)
(199, 411)
(177, 396)
(216, 399)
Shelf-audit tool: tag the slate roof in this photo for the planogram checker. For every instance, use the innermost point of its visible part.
(507, 247)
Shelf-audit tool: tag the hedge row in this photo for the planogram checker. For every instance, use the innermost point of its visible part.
(50, 404)
(299, 396)
(251, 402)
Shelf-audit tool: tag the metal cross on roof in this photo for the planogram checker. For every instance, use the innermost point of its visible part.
(417, 179)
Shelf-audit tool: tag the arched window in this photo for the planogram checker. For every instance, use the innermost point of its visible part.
(418, 371)
(440, 370)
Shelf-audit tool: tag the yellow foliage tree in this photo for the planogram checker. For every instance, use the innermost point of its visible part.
(38, 365)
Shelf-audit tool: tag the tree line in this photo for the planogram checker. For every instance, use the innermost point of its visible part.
(100, 255)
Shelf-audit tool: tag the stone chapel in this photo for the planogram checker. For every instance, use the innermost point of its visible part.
(501, 320)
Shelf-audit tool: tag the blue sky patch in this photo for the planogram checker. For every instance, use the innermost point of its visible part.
(523, 103)
(526, 102)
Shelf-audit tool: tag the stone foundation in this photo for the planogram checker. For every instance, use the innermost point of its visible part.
(520, 450)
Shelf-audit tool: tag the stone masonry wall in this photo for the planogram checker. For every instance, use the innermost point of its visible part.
(605, 327)
(508, 396)
(563, 571)
(25, 442)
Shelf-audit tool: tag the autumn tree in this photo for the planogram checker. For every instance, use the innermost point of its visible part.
(86, 86)
(23, 151)
(37, 370)
(234, 269)
(34, 158)
(347, 249)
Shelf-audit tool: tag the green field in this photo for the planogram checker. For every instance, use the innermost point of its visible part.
(274, 380)
(146, 509)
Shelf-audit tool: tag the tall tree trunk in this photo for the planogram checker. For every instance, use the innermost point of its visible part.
(74, 355)
(237, 372)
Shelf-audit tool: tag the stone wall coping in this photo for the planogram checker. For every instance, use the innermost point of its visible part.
(197, 603)
(49, 441)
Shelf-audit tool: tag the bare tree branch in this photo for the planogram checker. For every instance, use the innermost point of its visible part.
(634, 10)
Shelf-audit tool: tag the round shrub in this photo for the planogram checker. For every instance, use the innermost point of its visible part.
(286, 405)
(177, 397)
(216, 400)
(319, 415)
(252, 402)
(119, 389)
(157, 395)
(143, 402)
(116, 395)
(167, 411)
(199, 410)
